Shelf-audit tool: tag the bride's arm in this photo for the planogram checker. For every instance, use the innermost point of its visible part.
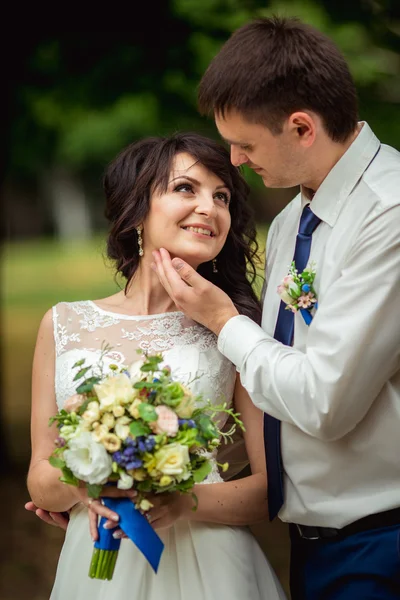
(47, 492)
(242, 501)
(44, 486)
(238, 502)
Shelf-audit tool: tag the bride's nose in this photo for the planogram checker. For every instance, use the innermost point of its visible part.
(206, 205)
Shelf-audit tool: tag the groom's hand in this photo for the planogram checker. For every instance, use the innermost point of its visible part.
(195, 296)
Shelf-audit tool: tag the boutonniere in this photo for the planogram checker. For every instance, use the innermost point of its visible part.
(297, 291)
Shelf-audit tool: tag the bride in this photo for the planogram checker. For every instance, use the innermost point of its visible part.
(181, 193)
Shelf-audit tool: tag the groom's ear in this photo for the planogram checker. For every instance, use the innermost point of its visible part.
(304, 126)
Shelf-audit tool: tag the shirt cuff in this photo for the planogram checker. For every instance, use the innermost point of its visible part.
(238, 337)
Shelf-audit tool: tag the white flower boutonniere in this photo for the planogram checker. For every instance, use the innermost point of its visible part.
(297, 291)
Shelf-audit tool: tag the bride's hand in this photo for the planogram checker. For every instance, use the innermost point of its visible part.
(51, 518)
(98, 509)
(167, 509)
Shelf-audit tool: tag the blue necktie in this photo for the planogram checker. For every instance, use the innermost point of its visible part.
(284, 333)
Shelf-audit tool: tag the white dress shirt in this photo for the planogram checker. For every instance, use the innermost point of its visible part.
(337, 389)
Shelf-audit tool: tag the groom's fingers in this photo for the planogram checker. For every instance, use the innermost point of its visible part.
(159, 267)
(181, 277)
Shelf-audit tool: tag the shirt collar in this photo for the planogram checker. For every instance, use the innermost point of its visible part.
(341, 180)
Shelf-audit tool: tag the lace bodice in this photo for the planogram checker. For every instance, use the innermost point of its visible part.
(81, 328)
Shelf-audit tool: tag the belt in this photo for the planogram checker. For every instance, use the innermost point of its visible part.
(382, 519)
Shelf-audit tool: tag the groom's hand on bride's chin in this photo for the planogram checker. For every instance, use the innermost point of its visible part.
(195, 296)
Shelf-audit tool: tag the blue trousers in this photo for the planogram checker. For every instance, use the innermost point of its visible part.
(363, 566)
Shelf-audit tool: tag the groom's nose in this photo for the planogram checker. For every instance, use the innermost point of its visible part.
(238, 157)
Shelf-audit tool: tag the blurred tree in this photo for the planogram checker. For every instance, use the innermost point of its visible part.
(80, 97)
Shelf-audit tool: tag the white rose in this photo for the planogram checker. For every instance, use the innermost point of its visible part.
(125, 481)
(114, 391)
(88, 460)
(121, 427)
(92, 412)
(172, 459)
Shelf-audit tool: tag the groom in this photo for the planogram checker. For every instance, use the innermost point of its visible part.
(284, 100)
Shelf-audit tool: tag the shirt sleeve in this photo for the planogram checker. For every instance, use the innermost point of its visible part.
(352, 349)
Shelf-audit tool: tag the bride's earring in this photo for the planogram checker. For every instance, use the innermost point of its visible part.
(214, 265)
(139, 230)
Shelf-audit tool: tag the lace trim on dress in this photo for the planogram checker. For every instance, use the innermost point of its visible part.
(61, 337)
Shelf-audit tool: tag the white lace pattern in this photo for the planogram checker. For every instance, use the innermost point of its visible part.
(81, 329)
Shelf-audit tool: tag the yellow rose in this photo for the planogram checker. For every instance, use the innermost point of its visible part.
(186, 406)
(133, 409)
(172, 459)
(145, 505)
(122, 427)
(138, 474)
(108, 420)
(149, 462)
(114, 391)
(165, 480)
(99, 432)
(92, 412)
(111, 442)
(118, 411)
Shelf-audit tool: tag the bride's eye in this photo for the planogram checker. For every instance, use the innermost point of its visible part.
(184, 187)
(224, 197)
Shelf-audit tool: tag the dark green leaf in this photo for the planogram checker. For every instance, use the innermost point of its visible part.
(144, 486)
(147, 412)
(93, 490)
(79, 363)
(81, 373)
(142, 385)
(58, 463)
(201, 473)
(84, 406)
(148, 367)
(87, 385)
(68, 477)
(195, 501)
(137, 429)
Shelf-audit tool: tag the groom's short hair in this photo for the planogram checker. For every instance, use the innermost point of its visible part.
(272, 67)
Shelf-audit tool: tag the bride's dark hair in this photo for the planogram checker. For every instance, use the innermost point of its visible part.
(145, 166)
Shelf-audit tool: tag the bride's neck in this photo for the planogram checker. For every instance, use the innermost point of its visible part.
(145, 295)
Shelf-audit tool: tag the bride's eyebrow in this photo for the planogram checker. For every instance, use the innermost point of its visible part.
(186, 177)
(192, 180)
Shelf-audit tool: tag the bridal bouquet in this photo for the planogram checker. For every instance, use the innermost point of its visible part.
(134, 427)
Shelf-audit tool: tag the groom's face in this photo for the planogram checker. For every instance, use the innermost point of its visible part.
(276, 158)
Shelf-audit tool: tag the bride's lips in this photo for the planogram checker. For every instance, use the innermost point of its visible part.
(199, 234)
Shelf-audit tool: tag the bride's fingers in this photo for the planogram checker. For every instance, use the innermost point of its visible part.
(93, 524)
(101, 510)
(110, 524)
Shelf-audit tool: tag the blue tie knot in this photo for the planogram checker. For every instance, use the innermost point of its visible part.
(308, 221)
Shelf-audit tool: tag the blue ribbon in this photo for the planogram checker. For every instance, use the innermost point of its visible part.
(135, 526)
(307, 316)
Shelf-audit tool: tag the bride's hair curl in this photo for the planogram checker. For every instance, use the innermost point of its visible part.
(145, 166)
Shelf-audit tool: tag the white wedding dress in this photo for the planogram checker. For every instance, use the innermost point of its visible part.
(201, 561)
